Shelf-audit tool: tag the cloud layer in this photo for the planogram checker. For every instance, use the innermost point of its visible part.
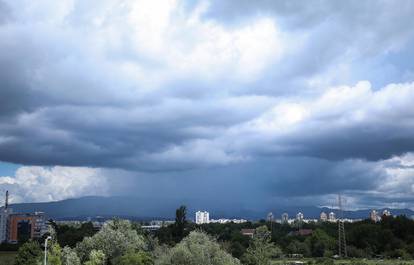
(228, 90)
(37, 184)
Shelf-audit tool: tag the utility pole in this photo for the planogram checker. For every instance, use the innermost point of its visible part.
(342, 253)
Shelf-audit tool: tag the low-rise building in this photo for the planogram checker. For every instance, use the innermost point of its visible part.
(225, 221)
(301, 232)
(248, 232)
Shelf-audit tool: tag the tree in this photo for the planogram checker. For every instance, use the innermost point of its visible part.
(69, 257)
(114, 239)
(96, 257)
(195, 249)
(29, 253)
(134, 258)
(320, 242)
(237, 249)
(297, 247)
(54, 254)
(70, 235)
(261, 250)
(180, 223)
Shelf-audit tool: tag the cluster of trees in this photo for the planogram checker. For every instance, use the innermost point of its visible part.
(118, 243)
(392, 237)
(121, 242)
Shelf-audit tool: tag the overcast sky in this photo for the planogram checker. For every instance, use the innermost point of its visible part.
(242, 103)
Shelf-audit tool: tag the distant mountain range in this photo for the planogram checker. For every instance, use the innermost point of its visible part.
(147, 209)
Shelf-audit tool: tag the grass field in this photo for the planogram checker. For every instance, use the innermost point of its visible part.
(7, 258)
(344, 262)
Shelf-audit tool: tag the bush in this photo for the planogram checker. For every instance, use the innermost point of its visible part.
(324, 261)
(96, 257)
(29, 254)
(115, 239)
(134, 258)
(195, 249)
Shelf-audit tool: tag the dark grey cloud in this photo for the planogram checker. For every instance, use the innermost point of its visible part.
(231, 92)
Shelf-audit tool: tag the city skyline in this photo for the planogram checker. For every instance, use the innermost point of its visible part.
(240, 105)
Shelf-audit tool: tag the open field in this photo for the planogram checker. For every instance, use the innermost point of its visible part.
(7, 258)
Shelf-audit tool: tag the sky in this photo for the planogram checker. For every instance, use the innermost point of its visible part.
(241, 104)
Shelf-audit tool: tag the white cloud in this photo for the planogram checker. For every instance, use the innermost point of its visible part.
(349, 113)
(37, 184)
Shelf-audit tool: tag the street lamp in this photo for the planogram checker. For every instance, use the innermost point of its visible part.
(47, 238)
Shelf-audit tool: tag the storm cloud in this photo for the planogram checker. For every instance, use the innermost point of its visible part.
(224, 93)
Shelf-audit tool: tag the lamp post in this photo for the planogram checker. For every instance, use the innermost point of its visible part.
(47, 238)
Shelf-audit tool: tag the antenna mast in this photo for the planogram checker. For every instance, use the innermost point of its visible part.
(341, 230)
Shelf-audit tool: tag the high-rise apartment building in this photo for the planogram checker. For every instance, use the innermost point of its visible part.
(324, 217)
(202, 217)
(299, 217)
(285, 218)
(332, 217)
(386, 212)
(374, 216)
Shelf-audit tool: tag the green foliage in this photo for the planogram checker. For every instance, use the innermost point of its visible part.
(358, 262)
(320, 242)
(237, 249)
(96, 257)
(261, 250)
(29, 253)
(9, 247)
(354, 252)
(115, 239)
(120, 242)
(324, 261)
(196, 249)
(180, 223)
(69, 257)
(298, 247)
(54, 254)
(71, 235)
(134, 258)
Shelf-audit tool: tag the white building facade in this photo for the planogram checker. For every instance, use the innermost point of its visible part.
(299, 217)
(4, 217)
(285, 218)
(323, 217)
(5, 211)
(332, 217)
(202, 217)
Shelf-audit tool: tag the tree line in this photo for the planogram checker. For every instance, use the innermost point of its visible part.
(121, 242)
